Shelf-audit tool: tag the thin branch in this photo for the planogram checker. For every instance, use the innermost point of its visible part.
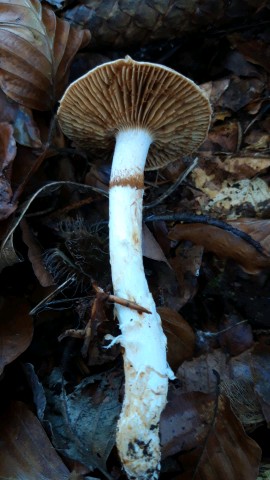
(121, 301)
(173, 187)
(205, 219)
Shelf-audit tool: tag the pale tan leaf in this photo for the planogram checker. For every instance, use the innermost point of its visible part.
(36, 51)
(233, 196)
(151, 248)
(245, 167)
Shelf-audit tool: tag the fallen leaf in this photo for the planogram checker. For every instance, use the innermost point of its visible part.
(36, 51)
(211, 439)
(225, 137)
(245, 167)
(186, 265)
(26, 131)
(236, 63)
(260, 361)
(35, 256)
(237, 382)
(151, 248)
(26, 452)
(224, 244)
(83, 421)
(241, 92)
(255, 51)
(180, 337)
(234, 197)
(7, 154)
(16, 329)
(235, 334)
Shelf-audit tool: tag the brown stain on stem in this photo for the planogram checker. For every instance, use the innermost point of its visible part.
(133, 181)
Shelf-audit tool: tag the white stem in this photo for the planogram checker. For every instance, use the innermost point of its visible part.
(146, 372)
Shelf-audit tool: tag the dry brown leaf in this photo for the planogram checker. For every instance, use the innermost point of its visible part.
(7, 155)
(35, 256)
(223, 244)
(258, 229)
(224, 137)
(186, 265)
(257, 140)
(245, 167)
(206, 426)
(26, 452)
(254, 50)
(215, 89)
(180, 337)
(235, 334)
(237, 382)
(260, 362)
(16, 329)
(241, 92)
(36, 51)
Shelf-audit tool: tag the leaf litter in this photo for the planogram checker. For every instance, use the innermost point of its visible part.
(206, 246)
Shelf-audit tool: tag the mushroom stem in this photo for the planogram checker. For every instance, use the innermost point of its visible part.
(146, 370)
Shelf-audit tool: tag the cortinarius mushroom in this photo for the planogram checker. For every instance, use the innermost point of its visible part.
(152, 115)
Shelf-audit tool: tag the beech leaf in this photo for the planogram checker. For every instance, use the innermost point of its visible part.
(26, 452)
(224, 244)
(83, 421)
(16, 330)
(180, 336)
(214, 441)
(36, 50)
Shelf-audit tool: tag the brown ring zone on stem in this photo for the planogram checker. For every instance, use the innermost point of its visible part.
(133, 181)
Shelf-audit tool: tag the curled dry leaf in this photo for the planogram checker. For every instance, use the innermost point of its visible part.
(227, 244)
(35, 256)
(214, 441)
(180, 336)
(26, 452)
(36, 51)
(16, 330)
(7, 155)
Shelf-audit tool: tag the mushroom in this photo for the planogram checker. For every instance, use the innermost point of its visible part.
(152, 115)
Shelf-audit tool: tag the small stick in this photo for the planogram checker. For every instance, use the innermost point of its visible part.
(205, 219)
(121, 301)
(173, 187)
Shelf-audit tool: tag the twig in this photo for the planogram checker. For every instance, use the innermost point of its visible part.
(121, 301)
(173, 187)
(205, 219)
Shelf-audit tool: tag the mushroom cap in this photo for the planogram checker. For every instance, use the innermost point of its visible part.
(127, 94)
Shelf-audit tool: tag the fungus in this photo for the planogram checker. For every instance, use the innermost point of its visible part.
(150, 115)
